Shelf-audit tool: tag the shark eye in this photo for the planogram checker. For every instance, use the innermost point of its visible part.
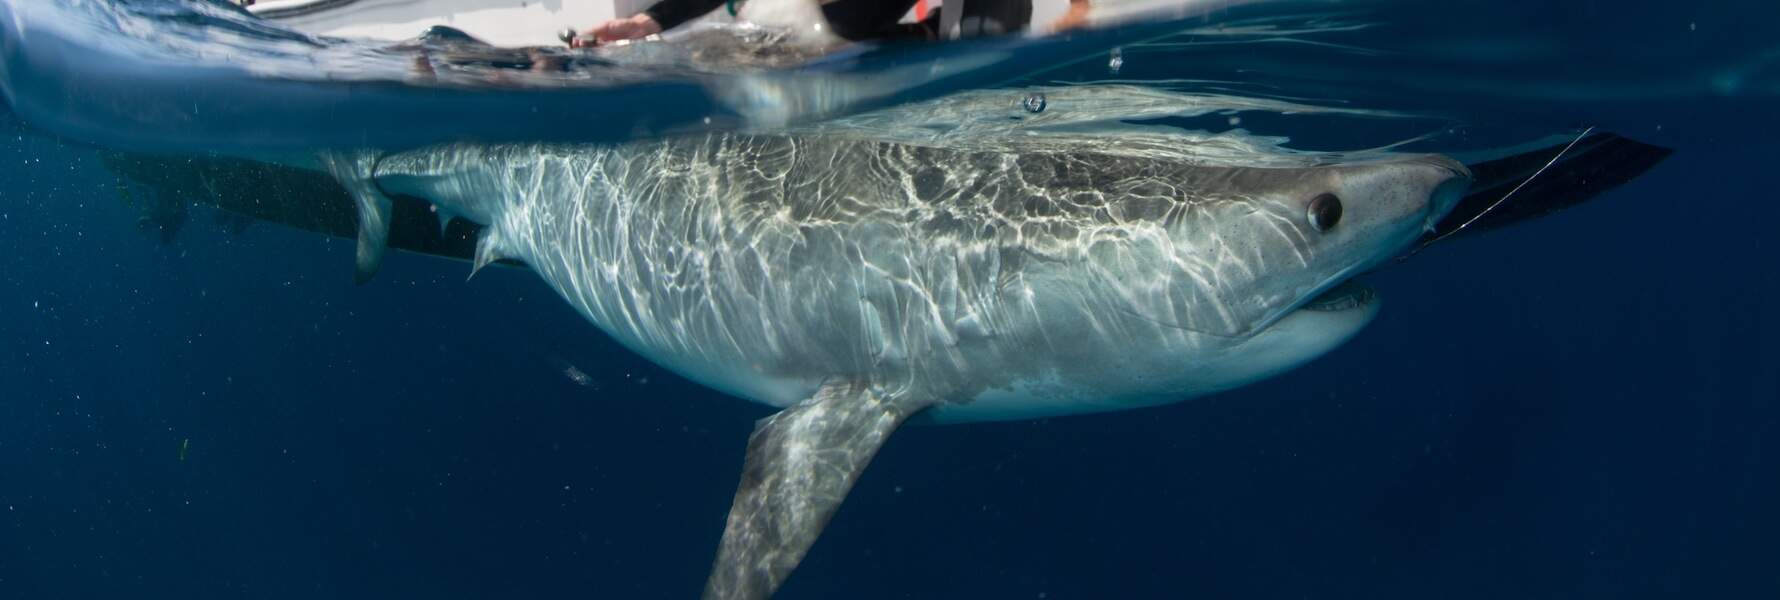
(1325, 211)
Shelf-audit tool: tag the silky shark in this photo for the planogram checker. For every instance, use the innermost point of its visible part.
(858, 284)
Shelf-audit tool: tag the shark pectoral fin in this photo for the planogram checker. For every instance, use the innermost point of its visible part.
(373, 235)
(355, 170)
(800, 465)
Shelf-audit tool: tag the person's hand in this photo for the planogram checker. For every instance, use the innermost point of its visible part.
(1075, 17)
(636, 27)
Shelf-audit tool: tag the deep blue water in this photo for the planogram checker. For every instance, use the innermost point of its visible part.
(1583, 406)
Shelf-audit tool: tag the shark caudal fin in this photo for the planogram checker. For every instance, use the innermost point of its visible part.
(354, 169)
(800, 465)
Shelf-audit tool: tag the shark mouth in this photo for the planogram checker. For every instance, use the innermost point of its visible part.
(1344, 296)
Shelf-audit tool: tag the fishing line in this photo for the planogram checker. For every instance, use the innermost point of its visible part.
(1504, 198)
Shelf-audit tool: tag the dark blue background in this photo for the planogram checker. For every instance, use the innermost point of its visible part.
(1584, 406)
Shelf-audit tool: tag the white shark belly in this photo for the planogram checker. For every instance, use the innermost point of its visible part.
(1146, 375)
(1032, 359)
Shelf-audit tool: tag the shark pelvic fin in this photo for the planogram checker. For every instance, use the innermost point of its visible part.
(356, 171)
(444, 216)
(800, 465)
(485, 250)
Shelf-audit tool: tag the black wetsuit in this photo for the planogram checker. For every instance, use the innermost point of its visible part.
(874, 19)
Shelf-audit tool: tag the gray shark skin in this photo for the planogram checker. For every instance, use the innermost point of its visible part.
(859, 284)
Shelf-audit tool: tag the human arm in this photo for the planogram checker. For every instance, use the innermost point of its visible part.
(639, 26)
(665, 15)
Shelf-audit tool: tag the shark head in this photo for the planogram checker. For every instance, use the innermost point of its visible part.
(1275, 244)
(1275, 261)
(1287, 288)
(1202, 279)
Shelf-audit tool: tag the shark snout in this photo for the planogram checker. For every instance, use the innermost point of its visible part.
(1455, 181)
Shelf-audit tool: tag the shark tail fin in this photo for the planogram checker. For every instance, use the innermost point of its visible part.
(356, 171)
(800, 465)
